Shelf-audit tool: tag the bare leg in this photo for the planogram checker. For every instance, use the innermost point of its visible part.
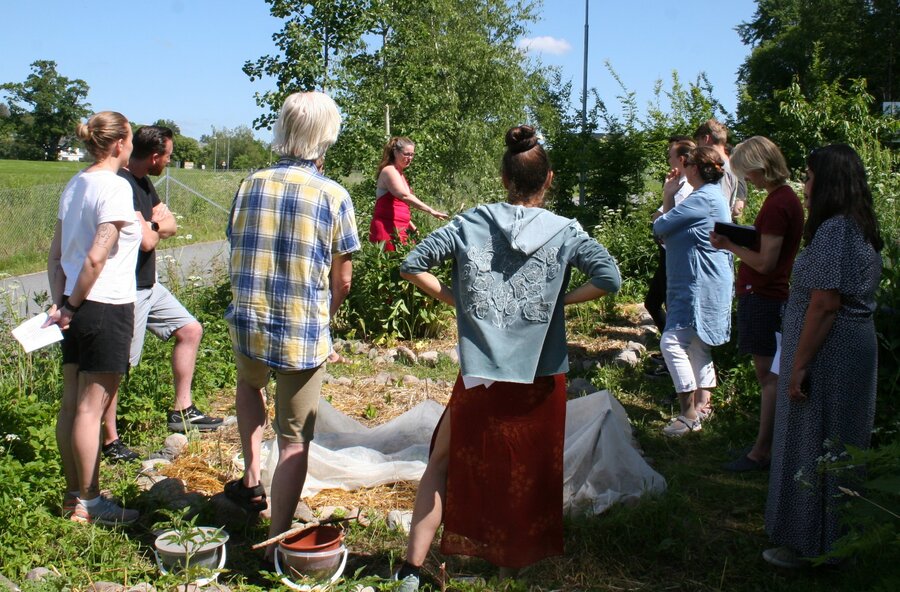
(702, 397)
(94, 390)
(287, 484)
(184, 358)
(110, 431)
(250, 404)
(429, 508)
(64, 421)
(768, 385)
(688, 409)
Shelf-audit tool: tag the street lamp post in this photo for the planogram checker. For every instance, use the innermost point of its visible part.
(583, 175)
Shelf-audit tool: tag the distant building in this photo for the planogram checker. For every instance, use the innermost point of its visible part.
(71, 154)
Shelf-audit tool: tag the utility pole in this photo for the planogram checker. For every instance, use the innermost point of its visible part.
(583, 175)
(216, 153)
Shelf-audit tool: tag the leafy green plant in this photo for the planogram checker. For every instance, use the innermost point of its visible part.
(184, 534)
(383, 306)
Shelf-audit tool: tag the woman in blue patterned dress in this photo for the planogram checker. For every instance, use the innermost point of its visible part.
(826, 389)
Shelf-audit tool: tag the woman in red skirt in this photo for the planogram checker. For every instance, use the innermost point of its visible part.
(494, 476)
(392, 219)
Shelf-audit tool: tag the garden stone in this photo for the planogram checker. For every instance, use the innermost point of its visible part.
(398, 520)
(7, 585)
(38, 574)
(373, 353)
(359, 347)
(406, 355)
(303, 513)
(580, 386)
(177, 442)
(383, 361)
(168, 489)
(327, 378)
(627, 358)
(391, 353)
(647, 332)
(105, 587)
(152, 465)
(410, 379)
(453, 355)
(383, 378)
(339, 345)
(636, 347)
(429, 358)
(325, 512)
(344, 381)
(229, 420)
(166, 453)
(146, 482)
(142, 587)
(644, 317)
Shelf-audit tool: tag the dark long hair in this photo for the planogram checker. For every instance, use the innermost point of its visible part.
(839, 188)
(525, 164)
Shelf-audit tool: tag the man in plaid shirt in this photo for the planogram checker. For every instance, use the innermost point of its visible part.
(292, 231)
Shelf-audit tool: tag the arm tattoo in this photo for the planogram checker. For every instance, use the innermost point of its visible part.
(104, 235)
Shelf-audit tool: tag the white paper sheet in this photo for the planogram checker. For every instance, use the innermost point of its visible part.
(32, 336)
(776, 363)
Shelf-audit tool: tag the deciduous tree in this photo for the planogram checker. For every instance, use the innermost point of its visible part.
(45, 108)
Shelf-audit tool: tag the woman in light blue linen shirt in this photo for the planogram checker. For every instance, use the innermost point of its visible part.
(700, 282)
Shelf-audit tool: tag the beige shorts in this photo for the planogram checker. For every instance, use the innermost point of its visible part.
(296, 396)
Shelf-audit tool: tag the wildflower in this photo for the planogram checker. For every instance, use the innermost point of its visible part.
(11, 438)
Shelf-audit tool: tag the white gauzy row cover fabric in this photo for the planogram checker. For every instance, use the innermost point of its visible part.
(602, 462)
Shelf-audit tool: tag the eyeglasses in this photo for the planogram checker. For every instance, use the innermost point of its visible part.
(407, 154)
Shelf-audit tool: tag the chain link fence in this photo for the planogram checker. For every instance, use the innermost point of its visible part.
(200, 200)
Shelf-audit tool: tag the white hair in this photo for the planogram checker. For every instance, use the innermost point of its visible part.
(307, 126)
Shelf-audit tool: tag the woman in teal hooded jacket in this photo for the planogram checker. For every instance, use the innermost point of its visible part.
(494, 476)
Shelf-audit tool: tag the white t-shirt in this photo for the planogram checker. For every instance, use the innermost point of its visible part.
(90, 199)
(684, 190)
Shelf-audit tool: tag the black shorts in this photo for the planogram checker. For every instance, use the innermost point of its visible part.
(758, 319)
(99, 337)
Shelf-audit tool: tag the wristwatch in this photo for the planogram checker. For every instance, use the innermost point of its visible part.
(154, 226)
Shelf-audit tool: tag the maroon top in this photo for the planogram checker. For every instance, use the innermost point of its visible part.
(781, 215)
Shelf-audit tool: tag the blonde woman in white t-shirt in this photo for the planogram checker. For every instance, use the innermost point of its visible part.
(91, 266)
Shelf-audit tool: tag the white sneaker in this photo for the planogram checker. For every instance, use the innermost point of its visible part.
(681, 426)
(103, 512)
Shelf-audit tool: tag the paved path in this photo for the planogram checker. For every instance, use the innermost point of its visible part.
(200, 259)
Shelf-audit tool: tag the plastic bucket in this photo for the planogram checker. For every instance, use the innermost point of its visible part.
(171, 556)
(317, 565)
(318, 538)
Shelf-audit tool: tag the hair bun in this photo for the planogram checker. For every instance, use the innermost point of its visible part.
(521, 139)
(83, 131)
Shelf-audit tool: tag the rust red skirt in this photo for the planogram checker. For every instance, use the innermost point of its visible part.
(504, 479)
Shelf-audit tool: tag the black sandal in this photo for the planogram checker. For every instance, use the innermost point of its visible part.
(251, 499)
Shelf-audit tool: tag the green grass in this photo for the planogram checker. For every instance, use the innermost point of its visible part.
(16, 174)
(29, 196)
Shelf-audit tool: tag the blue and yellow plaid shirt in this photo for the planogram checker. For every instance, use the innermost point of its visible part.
(286, 223)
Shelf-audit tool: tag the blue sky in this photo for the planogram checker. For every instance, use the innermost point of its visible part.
(182, 59)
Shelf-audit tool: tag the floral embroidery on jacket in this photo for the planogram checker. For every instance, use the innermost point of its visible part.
(503, 284)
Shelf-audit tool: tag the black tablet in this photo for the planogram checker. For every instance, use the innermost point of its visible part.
(745, 236)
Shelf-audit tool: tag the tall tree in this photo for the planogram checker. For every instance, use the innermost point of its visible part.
(848, 39)
(446, 73)
(45, 108)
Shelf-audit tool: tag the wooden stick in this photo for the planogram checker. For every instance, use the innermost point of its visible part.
(280, 537)
(290, 532)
